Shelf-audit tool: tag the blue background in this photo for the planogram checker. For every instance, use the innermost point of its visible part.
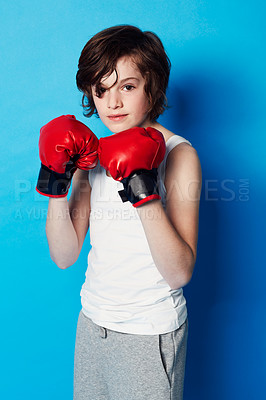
(217, 97)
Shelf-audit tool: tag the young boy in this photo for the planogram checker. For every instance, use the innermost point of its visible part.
(141, 201)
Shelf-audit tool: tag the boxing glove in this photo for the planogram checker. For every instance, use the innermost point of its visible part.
(132, 157)
(65, 144)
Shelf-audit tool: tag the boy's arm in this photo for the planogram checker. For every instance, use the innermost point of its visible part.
(67, 222)
(172, 234)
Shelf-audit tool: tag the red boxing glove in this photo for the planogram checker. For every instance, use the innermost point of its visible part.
(132, 157)
(65, 144)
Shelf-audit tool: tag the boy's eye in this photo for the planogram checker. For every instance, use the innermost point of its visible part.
(128, 87)
(99, 91)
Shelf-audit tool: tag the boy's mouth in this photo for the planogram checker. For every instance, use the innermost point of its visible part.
(117, 117)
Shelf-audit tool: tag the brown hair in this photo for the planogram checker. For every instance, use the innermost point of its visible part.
(101, 53)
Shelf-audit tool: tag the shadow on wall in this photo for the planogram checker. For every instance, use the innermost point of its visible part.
(210, 107)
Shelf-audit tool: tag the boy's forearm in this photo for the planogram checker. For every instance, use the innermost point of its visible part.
(60, 232)
(172, 255)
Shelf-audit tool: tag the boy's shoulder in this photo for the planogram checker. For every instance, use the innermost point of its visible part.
(183, 153)
(184, 142)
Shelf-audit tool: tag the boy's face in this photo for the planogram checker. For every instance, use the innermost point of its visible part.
(124, 105)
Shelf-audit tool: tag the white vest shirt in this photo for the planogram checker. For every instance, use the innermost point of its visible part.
(123, 290)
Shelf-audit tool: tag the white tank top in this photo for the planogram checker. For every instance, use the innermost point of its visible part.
(123, 290)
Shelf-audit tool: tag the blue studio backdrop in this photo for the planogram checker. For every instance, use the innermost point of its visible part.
(217, 98)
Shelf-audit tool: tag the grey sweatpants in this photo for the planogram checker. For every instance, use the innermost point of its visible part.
(111, 365)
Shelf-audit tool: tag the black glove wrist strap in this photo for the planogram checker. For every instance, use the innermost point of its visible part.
(51, 183)
(139, 185)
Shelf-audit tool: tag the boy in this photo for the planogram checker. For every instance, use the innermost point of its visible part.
(141, 202)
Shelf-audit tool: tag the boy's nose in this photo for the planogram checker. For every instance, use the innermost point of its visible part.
(114, 100)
